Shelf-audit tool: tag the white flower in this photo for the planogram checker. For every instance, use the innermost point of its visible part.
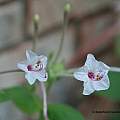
(94, 75)
(34, 67)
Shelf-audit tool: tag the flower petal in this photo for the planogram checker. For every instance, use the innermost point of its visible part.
(42, 76)
(91, 62)
(43, 59)
(81, 74)
(30, 55)
(23, 66)
(103, 84)
(30, 77)
(88, 88)
(103, 66)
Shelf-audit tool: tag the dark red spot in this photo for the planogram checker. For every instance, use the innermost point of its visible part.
(91, 75)
(45, 76)
(29, 67)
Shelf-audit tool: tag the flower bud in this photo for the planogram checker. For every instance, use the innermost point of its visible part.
(67, 7)
(36, 19)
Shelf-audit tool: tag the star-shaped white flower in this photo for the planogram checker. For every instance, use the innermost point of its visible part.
(94, 74)
(34, 67)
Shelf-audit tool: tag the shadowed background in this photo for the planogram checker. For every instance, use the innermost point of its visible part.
(93, 27)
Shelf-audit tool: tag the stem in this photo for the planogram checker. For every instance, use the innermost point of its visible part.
(10, 71)
(36, 27)
(72, 70)
(62, 38)
(64, 75)
(69, 72)
(44, 100)
(35, 37)
(115, 69)
(34, 42)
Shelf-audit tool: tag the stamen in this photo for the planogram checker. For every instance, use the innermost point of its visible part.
(45, 76)
(41, 66)
(95, 76)
(98, 77)
(38, 62)
(36, 67)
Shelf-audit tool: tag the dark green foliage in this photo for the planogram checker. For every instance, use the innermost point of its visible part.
(24, 99)
(113, 92)
(63, 112)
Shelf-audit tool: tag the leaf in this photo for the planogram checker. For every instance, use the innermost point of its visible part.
(3, 96)
(58, 67)
(115, 116)
(50, 57)
(113, 92)
(117, 45)
(24, 99)
(53, 71)
(62, 112)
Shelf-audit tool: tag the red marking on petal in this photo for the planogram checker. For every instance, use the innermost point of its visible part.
(29, 67)
(91, 75)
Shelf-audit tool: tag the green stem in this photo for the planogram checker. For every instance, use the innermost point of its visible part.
(43, 88)
(115, 69)
(35, 36)
(65, 21)
(36, 29)
(69, 72)
(65, 75)
(34, 42)
(10, 71)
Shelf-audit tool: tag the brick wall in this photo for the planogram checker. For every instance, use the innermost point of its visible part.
(50, 12)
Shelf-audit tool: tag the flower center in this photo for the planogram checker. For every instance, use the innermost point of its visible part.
(36, 67)
(95, 76)
(99, 76)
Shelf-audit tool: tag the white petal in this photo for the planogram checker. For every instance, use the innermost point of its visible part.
(23, 66)
(30, 55)
(88, 88)
(42, 76)
(81, 74)
(43, 59)
(91, 62)
(30, 77)
(103, 84)
(103, 66)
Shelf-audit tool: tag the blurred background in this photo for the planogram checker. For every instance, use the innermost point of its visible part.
(94, 27)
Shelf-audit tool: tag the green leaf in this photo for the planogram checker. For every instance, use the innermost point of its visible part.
(117, 45)
(115, 116)
(113, 92)
(24, 99)
(63, 112)
(53, 71)
(3, 96)
(50, 57)
(58, 67)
